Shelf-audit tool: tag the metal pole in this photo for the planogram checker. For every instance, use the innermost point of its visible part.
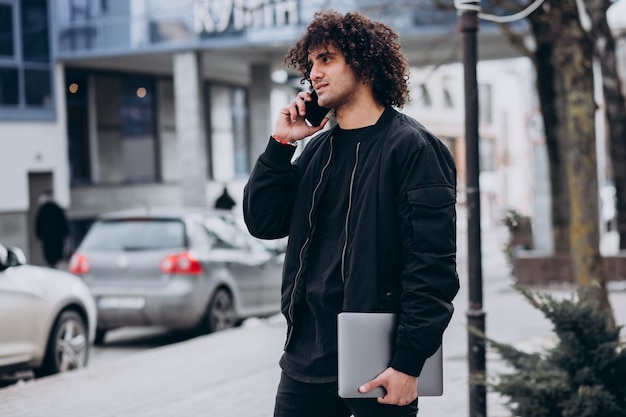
(468, 26)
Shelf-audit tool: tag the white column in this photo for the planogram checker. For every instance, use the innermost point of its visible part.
(190, 128)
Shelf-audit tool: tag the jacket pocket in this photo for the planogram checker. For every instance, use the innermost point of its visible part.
(433, 218)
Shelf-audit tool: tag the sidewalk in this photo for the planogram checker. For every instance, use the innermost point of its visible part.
(234, 373)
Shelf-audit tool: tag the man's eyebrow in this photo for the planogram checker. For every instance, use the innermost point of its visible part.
(322, 54)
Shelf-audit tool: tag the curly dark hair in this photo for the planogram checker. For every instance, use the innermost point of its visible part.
(370, 48)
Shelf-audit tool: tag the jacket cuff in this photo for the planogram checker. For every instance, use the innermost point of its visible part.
(407, 361)
(278, 153)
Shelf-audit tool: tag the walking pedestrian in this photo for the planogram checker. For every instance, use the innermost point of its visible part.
(369, 208)
(51, 228)
(225, 201)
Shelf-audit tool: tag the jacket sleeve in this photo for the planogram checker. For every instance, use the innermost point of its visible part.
(429, 280)
(269, 195)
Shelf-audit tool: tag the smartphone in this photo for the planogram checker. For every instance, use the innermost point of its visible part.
(314, 112)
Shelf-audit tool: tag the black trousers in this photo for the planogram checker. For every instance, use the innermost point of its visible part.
(300, 399)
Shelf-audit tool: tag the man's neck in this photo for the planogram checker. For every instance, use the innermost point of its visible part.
(361, 113)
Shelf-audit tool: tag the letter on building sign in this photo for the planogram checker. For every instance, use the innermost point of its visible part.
(218, 16)
(211, 16)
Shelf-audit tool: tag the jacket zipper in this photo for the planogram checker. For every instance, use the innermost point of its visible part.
(345, 244)
(305, 244)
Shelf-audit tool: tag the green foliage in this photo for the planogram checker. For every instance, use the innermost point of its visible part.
(584, 375)
(520, 234)
(513, 220)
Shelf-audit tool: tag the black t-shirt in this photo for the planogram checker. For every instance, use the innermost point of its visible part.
(312, 356)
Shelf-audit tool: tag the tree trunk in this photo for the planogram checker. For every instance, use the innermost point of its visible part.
(573, 56)
(615, 105)
(549, 88)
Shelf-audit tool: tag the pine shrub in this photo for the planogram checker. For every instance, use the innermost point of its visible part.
(583, 375)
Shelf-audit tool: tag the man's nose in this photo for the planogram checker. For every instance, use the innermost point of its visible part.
(316, 74)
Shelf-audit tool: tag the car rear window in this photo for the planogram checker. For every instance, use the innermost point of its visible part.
(135, 234)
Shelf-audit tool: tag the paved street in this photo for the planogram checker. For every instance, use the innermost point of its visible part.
(234, 373)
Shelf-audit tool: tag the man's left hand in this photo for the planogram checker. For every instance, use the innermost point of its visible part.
(401, 388)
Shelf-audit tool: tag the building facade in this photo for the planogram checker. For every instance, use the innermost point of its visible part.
(115, 104)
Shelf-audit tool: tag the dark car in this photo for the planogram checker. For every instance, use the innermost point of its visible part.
(179, 268)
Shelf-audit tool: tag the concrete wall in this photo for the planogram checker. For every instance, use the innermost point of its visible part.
(13, 230)
(34, 146)
(31, 147)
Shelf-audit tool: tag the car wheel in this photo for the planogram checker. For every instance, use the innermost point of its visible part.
(100, 334)
(68, 346)
(221, 313)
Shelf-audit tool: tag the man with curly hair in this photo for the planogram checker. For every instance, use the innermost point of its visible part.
(369, 208)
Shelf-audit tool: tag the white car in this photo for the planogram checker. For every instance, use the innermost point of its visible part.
(47, 317)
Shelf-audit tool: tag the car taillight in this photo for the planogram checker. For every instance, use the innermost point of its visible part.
(79, 264)
(181, 263)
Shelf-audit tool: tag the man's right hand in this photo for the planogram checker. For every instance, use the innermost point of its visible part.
(290, 125)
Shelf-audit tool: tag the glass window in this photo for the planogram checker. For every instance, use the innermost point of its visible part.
(447, 98)
(37, 88)
(138, 129)
(136, 235)
(35, 45)
(6, 30)
(9, 94)
(485, 98)
(228, 124)
(240, 130)
(487, 152)
(26, 71)
(425, 96)
(78, 127)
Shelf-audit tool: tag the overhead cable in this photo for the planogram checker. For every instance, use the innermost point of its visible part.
(474, 5)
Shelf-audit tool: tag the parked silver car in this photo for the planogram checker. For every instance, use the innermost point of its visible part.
(47, 317)
(177, 268)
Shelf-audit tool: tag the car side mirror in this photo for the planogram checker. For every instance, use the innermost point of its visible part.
(16, 256)
(4, 258)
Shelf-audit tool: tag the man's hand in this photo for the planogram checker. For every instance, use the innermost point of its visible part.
(401, 388)
(290, 125)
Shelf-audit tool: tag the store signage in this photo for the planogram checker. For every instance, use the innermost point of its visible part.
(213, 17)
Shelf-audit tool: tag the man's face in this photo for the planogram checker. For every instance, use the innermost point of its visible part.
(331, 77)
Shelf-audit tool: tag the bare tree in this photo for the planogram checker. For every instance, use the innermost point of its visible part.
(615, 105)
(563, 57)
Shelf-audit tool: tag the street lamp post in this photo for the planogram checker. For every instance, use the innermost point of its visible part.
(468, 27)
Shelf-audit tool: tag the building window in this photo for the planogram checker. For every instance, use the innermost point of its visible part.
(228, 130)
(6, 31)
(486, 100)
(240, 130)
(138, 129)
(76, 99)
(425, 96)
(9, 94)
(25, 68)
(35, 44)
(487, 153)
(448, 100)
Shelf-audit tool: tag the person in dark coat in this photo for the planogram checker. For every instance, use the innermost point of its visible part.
(224, 201)
(51, 228)
(369, 209)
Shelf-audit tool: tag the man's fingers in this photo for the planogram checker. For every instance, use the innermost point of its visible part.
(368, 386)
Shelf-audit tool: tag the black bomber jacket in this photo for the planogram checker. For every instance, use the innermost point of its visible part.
(400, 255)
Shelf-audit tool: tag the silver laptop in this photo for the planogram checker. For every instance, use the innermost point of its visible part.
(364, 350)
